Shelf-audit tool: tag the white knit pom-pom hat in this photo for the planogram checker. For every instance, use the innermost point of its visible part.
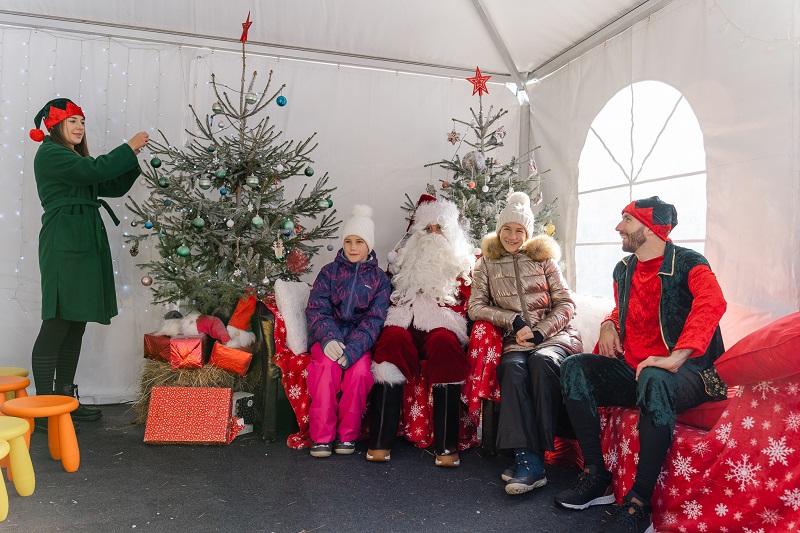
(517, 209)
(361, 225)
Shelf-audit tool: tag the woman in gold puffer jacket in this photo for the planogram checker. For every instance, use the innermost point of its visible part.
(518, 286)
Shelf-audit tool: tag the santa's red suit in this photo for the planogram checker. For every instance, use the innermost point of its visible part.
(425, 329)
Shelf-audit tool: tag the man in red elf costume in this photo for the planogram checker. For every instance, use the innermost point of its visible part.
(656, 350)
(425, 329)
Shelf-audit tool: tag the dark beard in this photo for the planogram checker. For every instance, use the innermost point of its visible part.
(635, 241)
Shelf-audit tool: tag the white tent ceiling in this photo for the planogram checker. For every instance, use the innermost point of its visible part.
(512, 40)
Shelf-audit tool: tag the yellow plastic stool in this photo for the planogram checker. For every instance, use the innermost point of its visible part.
(60, 432)
(4, 449)
(13, 430)
(13, 371)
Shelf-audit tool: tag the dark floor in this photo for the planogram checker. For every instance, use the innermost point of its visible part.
(250, 486)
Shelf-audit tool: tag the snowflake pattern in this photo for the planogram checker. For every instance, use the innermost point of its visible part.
(792, 389)
(777, 451)
(771, 484)
(683, 467)
(492, 355)
(294, 392)
(625, 446)
(748, 422)
(479, 331)
(721, 509)
(792, 421)
(791, 498)
(724, 432)
(743, 472)
(692, 509)
(765, 387)
(700, 447)
(769, 516)
(415, 411)
(669, 518)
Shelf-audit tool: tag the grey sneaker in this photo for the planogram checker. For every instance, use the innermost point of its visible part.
(344, 448)
(321, 450)
(521, 485)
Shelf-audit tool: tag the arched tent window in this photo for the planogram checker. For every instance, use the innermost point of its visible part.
(646, 141)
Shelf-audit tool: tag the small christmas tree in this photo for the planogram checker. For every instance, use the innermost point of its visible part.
(478, 184)
(217, 211)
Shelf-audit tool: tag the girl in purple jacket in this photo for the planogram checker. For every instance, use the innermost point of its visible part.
(345, 313)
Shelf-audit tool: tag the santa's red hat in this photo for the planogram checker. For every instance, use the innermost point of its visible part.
(423, 199)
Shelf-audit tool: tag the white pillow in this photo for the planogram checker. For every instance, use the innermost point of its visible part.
(590, 312)
(292, 299)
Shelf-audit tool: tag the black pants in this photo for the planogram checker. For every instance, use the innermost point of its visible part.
(530, 398)
(56, 352)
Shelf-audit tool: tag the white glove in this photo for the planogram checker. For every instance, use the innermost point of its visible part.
(334, 350)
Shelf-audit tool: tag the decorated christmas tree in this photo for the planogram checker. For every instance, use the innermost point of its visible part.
(479, 183)
(217, 210)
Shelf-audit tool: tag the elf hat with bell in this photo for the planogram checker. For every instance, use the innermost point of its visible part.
(52, 113)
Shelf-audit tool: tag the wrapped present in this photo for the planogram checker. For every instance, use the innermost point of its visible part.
(231, 359)
(244, 408)
(186, 351)
(156, 347)
(190, 415)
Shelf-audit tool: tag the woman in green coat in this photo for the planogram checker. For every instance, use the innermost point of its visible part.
(74, 255)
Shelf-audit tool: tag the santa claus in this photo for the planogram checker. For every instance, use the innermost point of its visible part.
(425, 329)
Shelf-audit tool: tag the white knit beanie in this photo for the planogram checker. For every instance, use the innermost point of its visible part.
(361, 225)
(517, 209)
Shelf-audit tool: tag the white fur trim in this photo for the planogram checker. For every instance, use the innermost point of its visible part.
(387, 373)
(170, 328)
(427, 315)
(240, 338)
(189, 324)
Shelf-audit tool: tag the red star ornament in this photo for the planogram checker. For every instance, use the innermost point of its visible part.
(246, 26)
(479, 82)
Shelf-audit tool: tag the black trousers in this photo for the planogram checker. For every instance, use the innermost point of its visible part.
(530, 398)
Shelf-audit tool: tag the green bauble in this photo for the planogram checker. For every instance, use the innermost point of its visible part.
(251, 98)
(221, 173)
(155, 162)
(204, 183)
(216, 107)
(257, 222)
(288, 225)
(252, 181)
(323, 204)
(163, 183)
(309, 171)
(183, 250)
(330, 202)
(199, 222)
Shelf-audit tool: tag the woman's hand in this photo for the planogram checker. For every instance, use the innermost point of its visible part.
(139, 141)
(523, 336)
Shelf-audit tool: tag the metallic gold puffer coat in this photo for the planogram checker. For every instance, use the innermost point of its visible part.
(528, 283)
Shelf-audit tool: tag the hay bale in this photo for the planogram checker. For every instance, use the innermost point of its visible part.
(161, 374)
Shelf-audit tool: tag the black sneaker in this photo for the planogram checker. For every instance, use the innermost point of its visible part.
(344, 448)
(521, 485)
(631, 516)
(589, 488)
(321, 450)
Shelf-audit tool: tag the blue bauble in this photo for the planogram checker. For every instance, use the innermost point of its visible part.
(223, 192)
(281, 100)
(211, 148)
(167, 202)
(148, 225)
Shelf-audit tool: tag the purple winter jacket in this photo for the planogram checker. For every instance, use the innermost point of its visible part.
(348, 303)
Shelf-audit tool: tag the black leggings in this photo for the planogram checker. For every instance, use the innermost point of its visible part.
(55, 353)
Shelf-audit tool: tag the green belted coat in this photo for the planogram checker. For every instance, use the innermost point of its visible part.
(74, 255)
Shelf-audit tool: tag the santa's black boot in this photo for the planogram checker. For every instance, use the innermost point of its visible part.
(446, 399)
(83, 412)
(384, 420)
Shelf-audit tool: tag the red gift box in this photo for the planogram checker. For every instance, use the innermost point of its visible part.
(190, 415)
(231, 359)
(156, 347)
(186, 351)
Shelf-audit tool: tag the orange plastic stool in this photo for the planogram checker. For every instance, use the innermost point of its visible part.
(60, 432)
(15, 385)
(12, 430)
(4, 449)
(13, 371)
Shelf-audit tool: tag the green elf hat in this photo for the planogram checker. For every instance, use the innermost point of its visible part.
(53, 112)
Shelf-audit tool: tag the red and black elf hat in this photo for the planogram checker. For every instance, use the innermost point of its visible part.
(654, 213)
(53, 112)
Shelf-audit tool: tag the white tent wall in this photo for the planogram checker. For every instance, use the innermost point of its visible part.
(737, 64)
(375, 129)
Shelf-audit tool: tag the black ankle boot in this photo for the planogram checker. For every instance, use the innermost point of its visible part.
(384, 419)
(446, 400)
(83, 412)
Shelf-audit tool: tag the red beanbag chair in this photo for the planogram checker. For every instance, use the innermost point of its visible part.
(768, 354)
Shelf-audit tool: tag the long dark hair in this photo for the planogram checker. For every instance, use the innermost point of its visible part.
(58, 137)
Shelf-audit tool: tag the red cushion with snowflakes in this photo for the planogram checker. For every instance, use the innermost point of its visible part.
(415, 421)
(740, 476)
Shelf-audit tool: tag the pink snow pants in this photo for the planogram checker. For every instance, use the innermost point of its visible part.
(330, 416)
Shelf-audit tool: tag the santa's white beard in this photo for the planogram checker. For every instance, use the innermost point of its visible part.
(428, 264)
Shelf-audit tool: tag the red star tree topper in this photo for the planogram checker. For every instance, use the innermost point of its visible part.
(246, 26)
(479, 82)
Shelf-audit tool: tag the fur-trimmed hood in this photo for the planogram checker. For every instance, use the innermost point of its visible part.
(539, 248)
